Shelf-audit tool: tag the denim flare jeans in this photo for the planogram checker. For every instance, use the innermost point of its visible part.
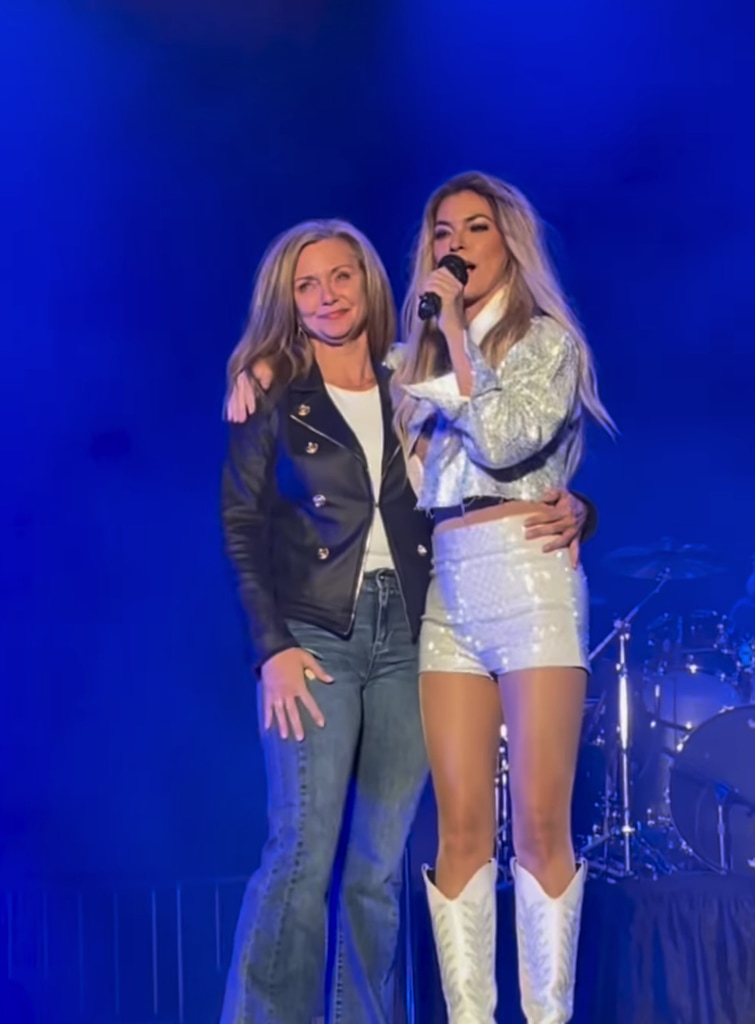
(371, 750)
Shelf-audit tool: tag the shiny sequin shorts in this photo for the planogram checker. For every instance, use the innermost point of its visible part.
(497, 603)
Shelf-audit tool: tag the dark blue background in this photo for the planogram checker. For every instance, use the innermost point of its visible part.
(150, 151)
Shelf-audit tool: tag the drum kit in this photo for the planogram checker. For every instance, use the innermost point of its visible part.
(666, 771)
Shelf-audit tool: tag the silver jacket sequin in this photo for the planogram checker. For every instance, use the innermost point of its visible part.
(510, 438)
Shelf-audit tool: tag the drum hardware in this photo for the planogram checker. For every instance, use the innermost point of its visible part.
(667, 557)
(504, 847)
(691, 675)
(675, 727)
(712, 792)
(740, 647)
(690, 669)
(663, 561)
(725, 797)
(722, 795)
(618, 825)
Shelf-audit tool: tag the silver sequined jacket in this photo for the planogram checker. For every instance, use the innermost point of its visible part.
(511, 436)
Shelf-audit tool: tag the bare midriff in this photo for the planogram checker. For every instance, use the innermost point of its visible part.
(486, 515)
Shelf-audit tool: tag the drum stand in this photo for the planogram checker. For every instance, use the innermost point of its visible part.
(504, 847)
(624, 832)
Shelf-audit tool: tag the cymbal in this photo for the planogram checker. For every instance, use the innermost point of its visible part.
(664, 558)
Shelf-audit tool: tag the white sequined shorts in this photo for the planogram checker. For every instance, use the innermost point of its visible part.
(497, 603)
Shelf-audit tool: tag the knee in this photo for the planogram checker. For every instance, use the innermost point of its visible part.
(541, 830)
(466, 832)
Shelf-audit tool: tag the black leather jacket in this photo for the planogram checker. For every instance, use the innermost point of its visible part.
(297, 508)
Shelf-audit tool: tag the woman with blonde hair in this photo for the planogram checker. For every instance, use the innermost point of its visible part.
(490, 398)
(333, 563)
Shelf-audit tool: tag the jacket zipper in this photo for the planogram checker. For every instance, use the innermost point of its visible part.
(360, 577)
(396, 451)
(362, 552)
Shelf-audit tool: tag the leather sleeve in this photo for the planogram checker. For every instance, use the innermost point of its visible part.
(248, 490)
(591, 523)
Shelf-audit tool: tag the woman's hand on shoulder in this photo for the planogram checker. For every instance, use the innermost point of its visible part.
(395, 357)
(242, 401)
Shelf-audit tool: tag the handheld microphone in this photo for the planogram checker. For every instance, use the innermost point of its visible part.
(430, 304)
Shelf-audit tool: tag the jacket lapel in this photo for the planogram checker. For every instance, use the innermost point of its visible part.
(312, 408)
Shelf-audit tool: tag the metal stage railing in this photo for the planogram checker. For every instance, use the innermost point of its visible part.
(130, 953)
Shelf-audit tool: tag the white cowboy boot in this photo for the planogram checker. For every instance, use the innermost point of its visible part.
(547, 935)
(464, 931)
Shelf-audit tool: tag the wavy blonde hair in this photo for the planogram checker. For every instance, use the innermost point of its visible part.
(273, 332)
(531, 287)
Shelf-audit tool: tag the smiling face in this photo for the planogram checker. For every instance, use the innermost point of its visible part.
(465, 226)
(329, 291)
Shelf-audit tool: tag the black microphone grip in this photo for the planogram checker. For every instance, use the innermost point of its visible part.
(430, 304)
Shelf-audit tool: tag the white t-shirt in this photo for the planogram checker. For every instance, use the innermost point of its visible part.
(364, 414)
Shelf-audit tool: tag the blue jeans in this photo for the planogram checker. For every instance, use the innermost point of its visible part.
(369, 758)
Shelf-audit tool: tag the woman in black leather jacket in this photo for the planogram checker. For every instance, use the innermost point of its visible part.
(332, 559)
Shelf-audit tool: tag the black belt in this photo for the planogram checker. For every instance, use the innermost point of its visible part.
(440, 515)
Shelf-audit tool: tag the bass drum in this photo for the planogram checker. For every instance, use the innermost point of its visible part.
(712, 791)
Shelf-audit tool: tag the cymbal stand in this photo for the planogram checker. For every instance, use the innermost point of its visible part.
(622, 633)
(627, 828)
(722, 794)
(661, 582)
(504, 848)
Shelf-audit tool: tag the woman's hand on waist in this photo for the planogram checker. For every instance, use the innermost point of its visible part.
(284, 682)
(561, 518)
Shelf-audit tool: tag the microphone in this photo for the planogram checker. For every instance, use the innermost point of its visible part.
(430, 304)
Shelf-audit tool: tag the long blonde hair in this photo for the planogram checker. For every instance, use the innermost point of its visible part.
(531, 287)
(273, 332)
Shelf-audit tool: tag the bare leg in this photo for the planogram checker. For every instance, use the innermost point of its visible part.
(461, 719)
(461, 715)
(544, 717)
